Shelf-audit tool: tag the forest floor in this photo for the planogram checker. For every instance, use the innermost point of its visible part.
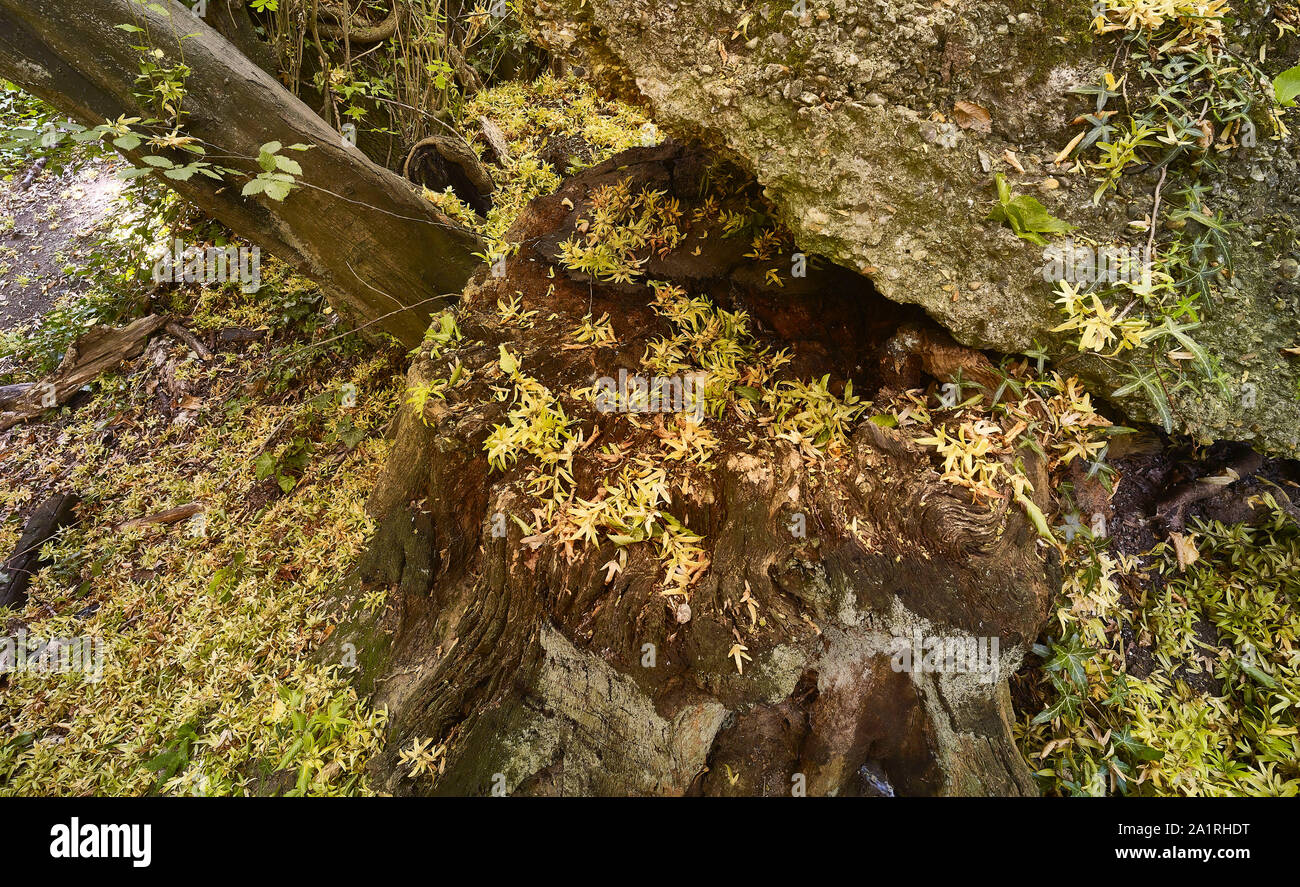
(1169, 666)
(48, 226)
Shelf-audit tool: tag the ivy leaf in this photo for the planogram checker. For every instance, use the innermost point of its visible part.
(263, 466)
(1068, 658)
(1137, 750)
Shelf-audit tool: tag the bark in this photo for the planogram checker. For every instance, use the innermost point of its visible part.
(527, 658)
(170, 516)
(231, 20)
(383, 255)
(52, 514)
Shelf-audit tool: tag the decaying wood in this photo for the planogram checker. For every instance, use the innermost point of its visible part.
(11, 394)
(358, 29)
(16, 574)
(170, 516)
(99, 349)
(235, 335)
(33, 174)
(454, 163)
(528, 657)
(496, 140)
(1173, 506)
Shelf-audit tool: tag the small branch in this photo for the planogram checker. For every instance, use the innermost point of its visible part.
(170, 516)
(1155, 213)
(189, 339)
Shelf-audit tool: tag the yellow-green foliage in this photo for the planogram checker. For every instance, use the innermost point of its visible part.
(1229, 619)
(209, 626)
(625, 231)
(528, 114)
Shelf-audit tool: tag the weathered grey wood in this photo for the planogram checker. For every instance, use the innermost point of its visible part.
(98, 349)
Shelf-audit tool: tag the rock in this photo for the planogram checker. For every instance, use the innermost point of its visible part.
(881, 171)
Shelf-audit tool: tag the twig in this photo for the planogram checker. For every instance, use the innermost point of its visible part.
(189, 339)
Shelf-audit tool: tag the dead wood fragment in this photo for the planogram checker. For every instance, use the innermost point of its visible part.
(496, 140)
(236, 335)
(33, 174)
(441, 161)
(189, 339)
(1173, 507)
(16, 574)
(357, 29)
(170, 516)
(99, 349)
(11, 394)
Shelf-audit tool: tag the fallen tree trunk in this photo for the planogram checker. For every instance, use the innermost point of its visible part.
(534, 662)
(383, 255)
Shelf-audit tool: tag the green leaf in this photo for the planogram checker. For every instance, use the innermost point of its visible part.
(1287, 86)
(270, 147)
(1026, 217)
(509, 365)
(128, 142)
(263, 466)
(289, 166)
(254, 186)
(277, 190)
(266, 160)
(161, 162)
(1259, 676)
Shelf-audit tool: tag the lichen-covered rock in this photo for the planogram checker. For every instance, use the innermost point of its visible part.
(847, 114)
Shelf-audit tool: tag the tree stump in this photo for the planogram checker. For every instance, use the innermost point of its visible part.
(544, 670)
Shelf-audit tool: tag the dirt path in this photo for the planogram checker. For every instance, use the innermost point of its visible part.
(46, 232)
